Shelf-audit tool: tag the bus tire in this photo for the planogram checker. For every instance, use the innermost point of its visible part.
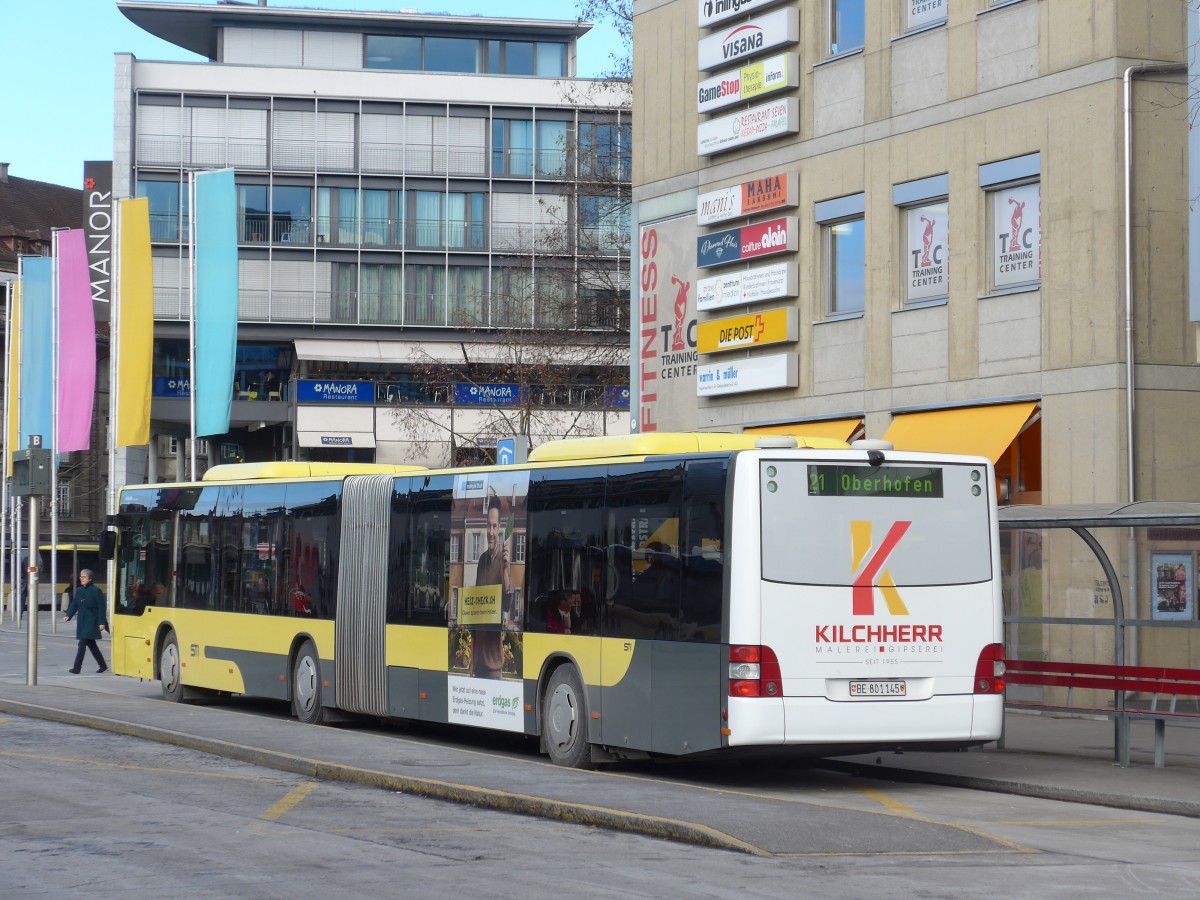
(170, 670)
(564, 720)
(306, 686)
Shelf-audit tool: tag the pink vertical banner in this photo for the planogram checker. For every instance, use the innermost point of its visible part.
(76, 344)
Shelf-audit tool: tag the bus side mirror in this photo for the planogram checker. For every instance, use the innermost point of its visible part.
(108, 544)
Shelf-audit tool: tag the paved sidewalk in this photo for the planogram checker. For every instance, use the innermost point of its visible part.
(1052, 757)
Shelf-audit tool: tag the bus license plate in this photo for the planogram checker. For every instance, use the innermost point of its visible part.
(878, 689)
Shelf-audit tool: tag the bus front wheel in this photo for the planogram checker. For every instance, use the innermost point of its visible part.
(564, 720)
(306, 686)
(170, 673)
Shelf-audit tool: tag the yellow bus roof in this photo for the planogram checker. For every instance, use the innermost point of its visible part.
(660, 443)
(261, 470)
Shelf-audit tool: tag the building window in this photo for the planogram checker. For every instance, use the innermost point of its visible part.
(476, 546)
(379, 297)
(843, 244)
(385, 51)
(168, 209)
(464, 220)
(552, 149)
(604, 225)
(456, 548)
(291, 215)
(512, 147)
(544, 59)
(337, 216)
(925, 232)
(605, 151)
(1014, 210)
(919, 14)
(444, 54)
(64, 497)
(927, 250)
(846, 26)
(253, 215)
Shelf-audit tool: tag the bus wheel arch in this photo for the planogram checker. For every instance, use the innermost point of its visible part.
(304, 682)
(563, 715)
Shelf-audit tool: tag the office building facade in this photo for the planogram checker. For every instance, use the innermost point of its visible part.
(432, 229)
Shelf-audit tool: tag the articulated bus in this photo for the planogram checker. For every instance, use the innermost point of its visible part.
(623, 597)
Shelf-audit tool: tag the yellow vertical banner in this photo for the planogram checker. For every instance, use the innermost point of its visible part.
(135, 318)
(13, 377)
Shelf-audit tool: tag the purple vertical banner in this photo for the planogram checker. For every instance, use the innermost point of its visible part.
(76, 344)
(216, 299)
(37, 357)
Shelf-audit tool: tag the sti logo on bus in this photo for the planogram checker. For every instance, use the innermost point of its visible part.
(871, 574)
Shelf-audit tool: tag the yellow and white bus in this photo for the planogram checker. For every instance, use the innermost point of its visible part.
(622, 597)
(70, 557)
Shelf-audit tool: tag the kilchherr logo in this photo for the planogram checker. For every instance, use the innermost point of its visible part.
(870, 570)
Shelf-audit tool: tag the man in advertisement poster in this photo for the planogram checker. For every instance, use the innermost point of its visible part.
(487, 660)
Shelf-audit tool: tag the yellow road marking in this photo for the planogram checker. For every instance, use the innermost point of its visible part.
(41, 757)
(884, 800)
(900, 809)
(287, 803)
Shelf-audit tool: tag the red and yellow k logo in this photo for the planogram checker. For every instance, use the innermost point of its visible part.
(871, 574)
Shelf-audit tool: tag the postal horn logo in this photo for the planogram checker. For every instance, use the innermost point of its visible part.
(870, 571)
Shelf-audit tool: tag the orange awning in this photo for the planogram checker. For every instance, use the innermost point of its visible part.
(973, 430)
(837, 429)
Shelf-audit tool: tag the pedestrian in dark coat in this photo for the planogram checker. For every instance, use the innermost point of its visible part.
(90, 612)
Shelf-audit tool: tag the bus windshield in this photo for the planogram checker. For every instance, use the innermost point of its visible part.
(931, 512)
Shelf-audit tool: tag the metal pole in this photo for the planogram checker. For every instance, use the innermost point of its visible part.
(31, 655)
(7, 598)
(192, 386)
(114, 382)
(54, 362)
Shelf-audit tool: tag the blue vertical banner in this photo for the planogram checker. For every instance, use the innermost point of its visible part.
(37, 352)
(216, 299)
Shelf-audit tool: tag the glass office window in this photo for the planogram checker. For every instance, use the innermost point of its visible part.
(451, 55)
(551, 60)
(512, 147)
(291, 215)
(253, 214)
(518, 58)
(845, 244)
(427, 220)
(167, 199)
(392, 52)
(552, 149)
(464, 221)
(846, 26)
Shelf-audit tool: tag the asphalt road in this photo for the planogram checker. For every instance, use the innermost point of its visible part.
(85, 810)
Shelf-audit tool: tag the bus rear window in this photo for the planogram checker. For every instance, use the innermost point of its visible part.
(922, 524)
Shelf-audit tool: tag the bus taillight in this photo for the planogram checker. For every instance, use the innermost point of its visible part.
(989, 671)
(754, 671)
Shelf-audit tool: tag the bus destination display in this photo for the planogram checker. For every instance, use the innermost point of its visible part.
(882, 481)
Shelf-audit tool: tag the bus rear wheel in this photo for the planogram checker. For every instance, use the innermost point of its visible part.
(564, 720)
(306, 686)
(170, 673)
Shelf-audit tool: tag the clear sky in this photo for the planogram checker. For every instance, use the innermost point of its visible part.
(57, 68)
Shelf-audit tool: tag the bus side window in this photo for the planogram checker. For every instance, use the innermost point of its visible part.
(644, 503)
(429, 534)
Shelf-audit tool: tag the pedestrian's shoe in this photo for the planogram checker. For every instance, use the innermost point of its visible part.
(73, 671)
(102, 670)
